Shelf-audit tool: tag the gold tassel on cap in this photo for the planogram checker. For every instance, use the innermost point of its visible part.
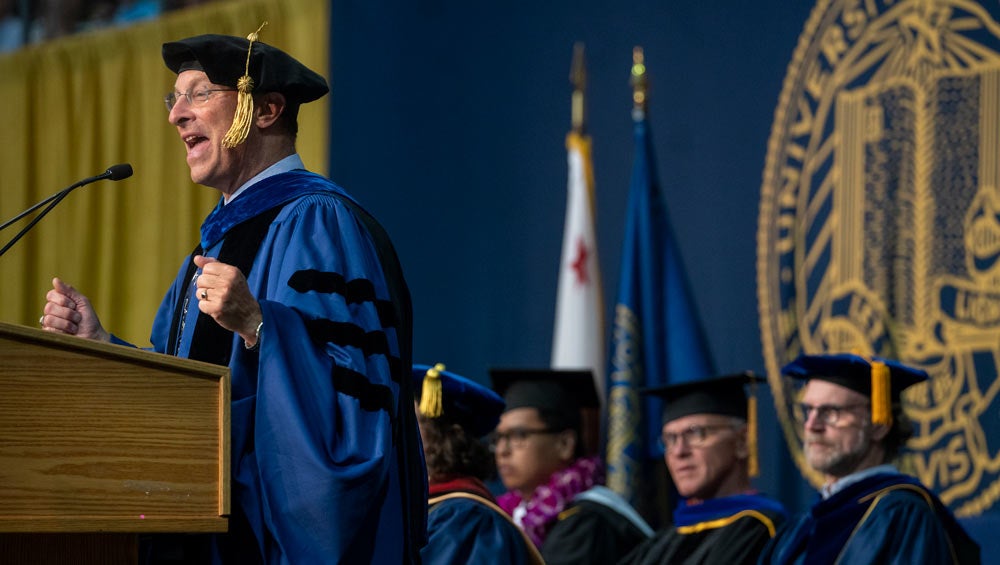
(753, 463)
(431, 405)
(240, 129)
(881, 395)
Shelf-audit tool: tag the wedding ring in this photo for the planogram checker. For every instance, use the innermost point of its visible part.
(41, 321)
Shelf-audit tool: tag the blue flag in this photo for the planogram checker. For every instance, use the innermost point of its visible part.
(656, 338)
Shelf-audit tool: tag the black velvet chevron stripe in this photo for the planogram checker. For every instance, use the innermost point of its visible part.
(371, 396)
(351, 335)
(354, 292)
(408, 455)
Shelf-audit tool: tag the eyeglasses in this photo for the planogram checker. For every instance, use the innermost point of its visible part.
(694, 436)
(828, 414)
(195, 98)
(517, 437)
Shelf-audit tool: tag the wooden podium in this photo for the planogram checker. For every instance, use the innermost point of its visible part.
(99, 443)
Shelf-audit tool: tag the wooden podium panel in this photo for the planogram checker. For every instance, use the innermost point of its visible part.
(104, 438)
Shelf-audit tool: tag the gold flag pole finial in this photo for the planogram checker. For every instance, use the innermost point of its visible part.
(578, 78)
(639, 82)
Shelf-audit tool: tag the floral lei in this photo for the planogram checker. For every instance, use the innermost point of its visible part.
(550, 499)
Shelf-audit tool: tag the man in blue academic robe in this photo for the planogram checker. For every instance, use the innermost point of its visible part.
(299, 292)
(708, 448)
(868, 512)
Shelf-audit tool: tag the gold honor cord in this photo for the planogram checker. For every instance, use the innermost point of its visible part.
(722, 522)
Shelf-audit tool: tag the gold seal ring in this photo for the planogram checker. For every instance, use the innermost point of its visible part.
(204, 294)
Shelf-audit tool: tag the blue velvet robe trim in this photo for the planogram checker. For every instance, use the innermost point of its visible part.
(263, 195)
(724, 507)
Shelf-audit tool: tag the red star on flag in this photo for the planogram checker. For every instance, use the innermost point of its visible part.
(580, 263)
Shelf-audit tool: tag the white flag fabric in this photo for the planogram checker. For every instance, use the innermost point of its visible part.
(579, 341)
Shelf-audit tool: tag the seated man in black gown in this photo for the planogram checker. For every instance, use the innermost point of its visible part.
(708, 451)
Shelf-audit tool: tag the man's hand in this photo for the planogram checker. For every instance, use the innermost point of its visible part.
(66, 311)
(223, 294)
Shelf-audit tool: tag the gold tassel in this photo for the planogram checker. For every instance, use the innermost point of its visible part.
(430, 394)
(753, 463)
(240, 129)
(881, 396)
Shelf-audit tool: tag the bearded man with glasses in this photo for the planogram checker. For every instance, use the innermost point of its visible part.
(709, 450)
(853, 428)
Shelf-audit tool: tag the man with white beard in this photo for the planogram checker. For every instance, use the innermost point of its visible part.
(868, 511)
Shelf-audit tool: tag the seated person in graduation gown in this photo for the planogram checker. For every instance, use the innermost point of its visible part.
(299, 292)
(464, 524)
(709, 450)
(555, 490)
(868, 512)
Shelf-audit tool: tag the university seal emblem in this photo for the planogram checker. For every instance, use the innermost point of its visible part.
(879, 226)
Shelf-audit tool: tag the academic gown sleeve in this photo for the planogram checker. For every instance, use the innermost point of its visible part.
(313, 409)
(902, 530)
(464, 531)
(778, 550)
(740, 542)
(587, 533)
(320, 464)
(646, 551)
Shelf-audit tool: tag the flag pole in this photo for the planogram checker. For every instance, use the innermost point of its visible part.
(578, 340)
(578, 78)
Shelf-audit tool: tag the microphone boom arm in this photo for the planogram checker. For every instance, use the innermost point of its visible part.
(114, 172)
(51, 198)
(54, 199)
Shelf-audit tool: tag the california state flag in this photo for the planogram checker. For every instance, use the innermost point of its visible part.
(579, 340)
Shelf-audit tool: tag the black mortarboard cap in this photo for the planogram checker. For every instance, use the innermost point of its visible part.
(880, 379)
(224, 59)
(558, 392)
(723, 395)
(443, 393)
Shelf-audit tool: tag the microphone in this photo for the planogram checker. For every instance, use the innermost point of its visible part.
(114, 172)
(120, 171)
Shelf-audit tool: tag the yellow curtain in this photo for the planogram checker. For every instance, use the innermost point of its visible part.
(83, 103)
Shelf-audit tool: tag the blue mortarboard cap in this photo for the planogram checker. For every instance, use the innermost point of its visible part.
(224, 59)
(882, 380)
(475, 407)
(853, 371)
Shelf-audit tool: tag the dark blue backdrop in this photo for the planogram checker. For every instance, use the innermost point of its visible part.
(448, 121)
